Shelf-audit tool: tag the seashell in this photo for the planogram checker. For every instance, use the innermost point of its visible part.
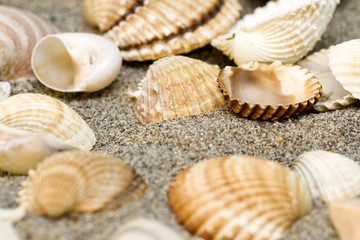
(174, 87)
(329, 176)
(287, 36)
(20, 30)
(79, 181)
(5, 90)
(153, 29)
(46, 116)
(269, 91)
(238, 197)
(76, 62)
(7, 218)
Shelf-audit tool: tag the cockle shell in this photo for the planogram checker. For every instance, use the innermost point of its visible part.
(79, 181)
(238, 197)
(269, 91)
(329, 176)
(46, 116)
(76, 62)
(174, 87)
(19, 32)
(5, 90)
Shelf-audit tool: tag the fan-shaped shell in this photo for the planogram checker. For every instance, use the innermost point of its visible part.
(5, 90)
(238, 197)
(174, 87)
(329, 176)
(19, 32)
(46, 116)
(269, 91)
(79, 181)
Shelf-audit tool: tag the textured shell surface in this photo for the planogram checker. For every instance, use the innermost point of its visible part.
(46, 116)
(5, 90)
(238, 197)
(79, 181)
(19, 32)
(76, 62)
(329, 176)
(269, 91)
(174, 87)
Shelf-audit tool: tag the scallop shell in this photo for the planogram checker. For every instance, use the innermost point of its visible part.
(46, 116)
(20, 30)
(269, 91)
(174, 87)
(286, 37)
(238, 197)
(329, 176)
(79, 181)
(5, 90)
(76, 62)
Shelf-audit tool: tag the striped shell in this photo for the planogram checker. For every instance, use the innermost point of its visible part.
(79, 181)
(238, 197)
(174, 87)
(5, 90)
(46, 116)
(19, 32)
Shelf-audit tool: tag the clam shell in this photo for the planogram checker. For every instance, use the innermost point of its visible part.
(19, 32)
(238, 197)
(269, 91)
(79, 181)
(5, 90)
(329, 176)
(174, 87)
(46, 116)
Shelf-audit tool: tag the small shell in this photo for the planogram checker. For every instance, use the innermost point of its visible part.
(238, 197)
(46, 116)
(269, 91)
(329, 176)
(76, 62)
(174, 87)
(7, 218)
(79, 181)
(19, 32)
(5, 90)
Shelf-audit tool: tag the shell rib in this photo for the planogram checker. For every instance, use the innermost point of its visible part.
(329, 176)
(46, 116)
(79, 181)
(19, 32)
(76, 62)
(174, 87)
(5, 90)
(238, 197)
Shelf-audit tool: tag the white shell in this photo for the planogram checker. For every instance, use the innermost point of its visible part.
(5, 90)
(76, 62)
(7, 218)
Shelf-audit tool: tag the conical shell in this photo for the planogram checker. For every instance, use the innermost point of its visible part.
(269, 91)
(329, 176)
(5, 90)
(238, 197)
(79, 181)
(174, 87)
(19, 32)
(46, 116)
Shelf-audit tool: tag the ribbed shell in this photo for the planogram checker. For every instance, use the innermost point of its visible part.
(19, 32)
(329, 176)
(5, 90)
(46, 116)
(79, 181)
(238, 197)
(174, 87)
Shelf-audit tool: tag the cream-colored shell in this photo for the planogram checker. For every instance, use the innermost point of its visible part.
(76, 62)
(269, 91)
(174, 87)
(46, 116)
(238, 197)
(19, 32)
(329, 176)
(7, 218)
(5, 90)
(79, 181)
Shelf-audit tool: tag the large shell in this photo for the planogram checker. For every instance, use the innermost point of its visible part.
(269, 91)
(238, 197)
(19, 32)
(329, 176)
(79, 181)
(286, 35)
(174, 87)
(76, 62)
(46, 116)
(5, 90)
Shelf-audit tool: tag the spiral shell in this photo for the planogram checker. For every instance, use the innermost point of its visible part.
(5, 90)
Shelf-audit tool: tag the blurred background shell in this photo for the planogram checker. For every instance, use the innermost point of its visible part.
(5, 90)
